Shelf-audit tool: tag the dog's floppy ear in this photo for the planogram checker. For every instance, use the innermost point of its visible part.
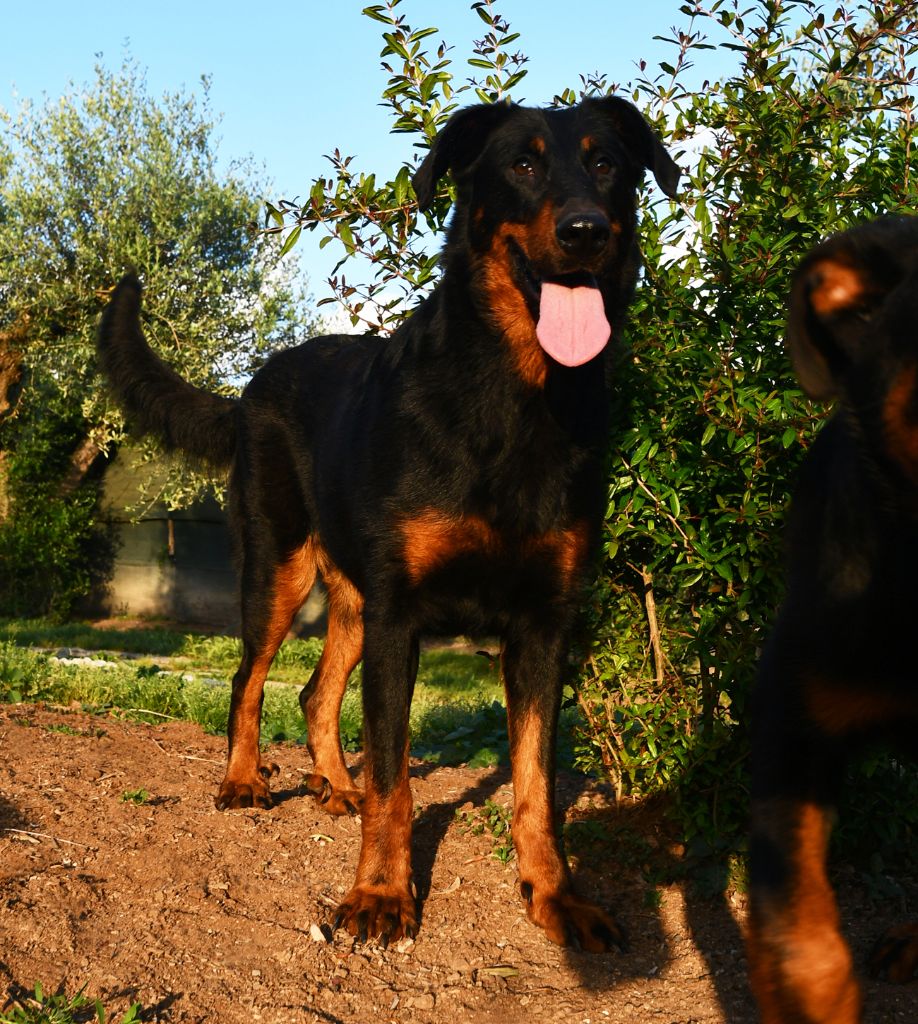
(833, 295)
(642, 141)
(457, 146)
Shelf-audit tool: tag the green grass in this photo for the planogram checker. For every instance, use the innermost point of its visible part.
(45, 633)
(194, 652)
(457, 715)
(446, 672)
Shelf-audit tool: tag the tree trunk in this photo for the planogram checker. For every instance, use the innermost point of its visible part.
(86, 453)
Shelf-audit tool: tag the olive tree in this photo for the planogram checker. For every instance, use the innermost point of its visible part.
(105, 178)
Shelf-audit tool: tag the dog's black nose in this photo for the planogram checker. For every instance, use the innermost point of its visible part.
(583, 234)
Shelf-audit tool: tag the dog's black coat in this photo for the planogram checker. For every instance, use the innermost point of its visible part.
(447, 479)
(837, 669)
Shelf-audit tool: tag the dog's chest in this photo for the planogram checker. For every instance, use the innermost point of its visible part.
(465, 569)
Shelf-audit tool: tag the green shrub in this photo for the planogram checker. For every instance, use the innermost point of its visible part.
(21, 674)
(811, 133)
(100, 179)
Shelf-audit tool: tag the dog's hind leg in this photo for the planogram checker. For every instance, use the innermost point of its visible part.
(272, 592)
(321, 697)
(532, 665)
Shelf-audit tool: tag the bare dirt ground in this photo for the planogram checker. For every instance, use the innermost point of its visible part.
(208, 916)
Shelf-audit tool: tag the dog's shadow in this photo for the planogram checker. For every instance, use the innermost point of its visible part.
(608, 843)
(708, 922)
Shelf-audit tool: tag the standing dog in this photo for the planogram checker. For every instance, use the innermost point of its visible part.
(449, 479)
(836, 668)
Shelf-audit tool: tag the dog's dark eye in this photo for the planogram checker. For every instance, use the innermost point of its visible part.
(524, 167)
(602, 165)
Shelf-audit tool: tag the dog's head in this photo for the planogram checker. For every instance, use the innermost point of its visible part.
(854, 308)
(545, 216)
(853, 329)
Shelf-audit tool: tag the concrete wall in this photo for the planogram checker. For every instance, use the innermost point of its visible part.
(176, 565)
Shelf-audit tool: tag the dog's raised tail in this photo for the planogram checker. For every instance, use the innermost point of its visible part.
(157, 400)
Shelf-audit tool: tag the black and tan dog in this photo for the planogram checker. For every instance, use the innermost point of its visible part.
(837, 668)
(449, 479)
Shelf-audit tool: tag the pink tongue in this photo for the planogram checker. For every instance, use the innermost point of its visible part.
(572, 325)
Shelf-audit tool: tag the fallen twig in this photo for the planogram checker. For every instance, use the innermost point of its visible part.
(44, 835)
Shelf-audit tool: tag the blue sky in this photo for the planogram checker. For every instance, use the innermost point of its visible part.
(293, 81)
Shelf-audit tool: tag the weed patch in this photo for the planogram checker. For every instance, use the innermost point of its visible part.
(41, 1008)
(135, 796)
(494, 820)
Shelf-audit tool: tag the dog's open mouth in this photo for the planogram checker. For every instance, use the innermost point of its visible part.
(571, 322)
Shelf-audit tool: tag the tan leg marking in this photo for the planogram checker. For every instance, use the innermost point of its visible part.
(800, 966)
(381, 902)
(545, 881)
(246, 781)
(321, 698)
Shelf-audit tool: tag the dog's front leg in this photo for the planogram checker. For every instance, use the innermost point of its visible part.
(799, 965)
(533, 663)
(381, 902)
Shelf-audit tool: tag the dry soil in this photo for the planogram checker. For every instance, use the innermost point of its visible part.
(217, 917)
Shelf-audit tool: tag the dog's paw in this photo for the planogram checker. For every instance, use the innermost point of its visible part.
(333, 799)
(895, 955)
(569, 920)
(250, 791)
(369, 912)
